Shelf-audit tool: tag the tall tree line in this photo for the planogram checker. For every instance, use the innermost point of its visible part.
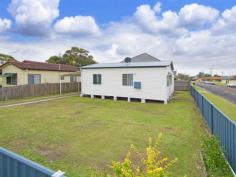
(74, 56)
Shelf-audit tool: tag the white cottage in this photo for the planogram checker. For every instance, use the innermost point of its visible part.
(143, 78)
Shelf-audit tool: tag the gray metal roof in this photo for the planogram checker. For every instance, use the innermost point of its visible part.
(130, 65)
(144, 57)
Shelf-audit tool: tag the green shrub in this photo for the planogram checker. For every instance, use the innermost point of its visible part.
(150, 164)
(213, 157)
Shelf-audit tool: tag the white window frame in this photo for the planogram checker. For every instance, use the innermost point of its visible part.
(97, 79)
(129, 79)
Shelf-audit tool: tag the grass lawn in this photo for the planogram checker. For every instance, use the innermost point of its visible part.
(76, 134)
(224, 105)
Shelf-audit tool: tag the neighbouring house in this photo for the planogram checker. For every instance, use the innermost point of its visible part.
(229, 80)
(31, 72)
(211, 78)
(143, 78)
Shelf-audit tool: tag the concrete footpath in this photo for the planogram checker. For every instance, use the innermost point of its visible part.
(36, 101)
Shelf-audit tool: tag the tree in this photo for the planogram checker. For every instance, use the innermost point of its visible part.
(75, 56)
(181, 76)
(202, 74)
(55, 59)
(6, 58)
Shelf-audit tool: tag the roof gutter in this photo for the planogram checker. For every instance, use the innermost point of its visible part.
(126, 67)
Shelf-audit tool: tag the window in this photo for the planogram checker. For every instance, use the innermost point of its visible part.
(63, 78)
(97, 79)
(12, 80)
(169, 80)
(73, 79)
(34, 79)
(127, 79)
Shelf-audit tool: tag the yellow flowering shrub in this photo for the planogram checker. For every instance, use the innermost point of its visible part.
(151, 164)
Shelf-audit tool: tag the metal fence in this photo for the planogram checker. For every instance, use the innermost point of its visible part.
(24, 91)
(220, 125)
(13, 165)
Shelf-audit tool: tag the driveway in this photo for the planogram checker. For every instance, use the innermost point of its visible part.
(225, 92)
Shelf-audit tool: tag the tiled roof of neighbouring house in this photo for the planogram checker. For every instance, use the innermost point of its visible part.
(33, 65)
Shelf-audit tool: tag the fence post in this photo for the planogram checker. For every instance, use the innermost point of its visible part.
(234, 146)
(203, 107)
(1, 98)
(60, 87)
(5, 93)
(212, 120)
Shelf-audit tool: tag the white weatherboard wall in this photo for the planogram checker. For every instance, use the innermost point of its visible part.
(171, 87)
(153, 80)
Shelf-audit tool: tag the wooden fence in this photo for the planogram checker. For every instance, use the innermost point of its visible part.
(181, 85)
(24, 91)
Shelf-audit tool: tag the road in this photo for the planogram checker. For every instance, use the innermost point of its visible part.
(225, 92)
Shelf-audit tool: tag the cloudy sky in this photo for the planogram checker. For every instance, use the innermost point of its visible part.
(196, 35)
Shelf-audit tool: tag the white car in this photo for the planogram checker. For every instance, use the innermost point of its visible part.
(231, 85)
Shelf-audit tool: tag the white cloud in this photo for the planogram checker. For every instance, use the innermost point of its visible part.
(146, 17)
(82, 25)
(196, 38)
(34, 17)
(5, 24)
(227, 22)
(195, 15)
(148, 20)
(192, 16)
(157, 7)
(166, 23)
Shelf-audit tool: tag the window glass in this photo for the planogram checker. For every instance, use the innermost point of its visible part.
(8, 80)
(94, 79)
(30, 79)
(127, 79)
(73, 78)
(37, 79)
(169, 79)
(97, 79)
(130, 79)
(12, 80)
(124, 79)
(34, 79)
